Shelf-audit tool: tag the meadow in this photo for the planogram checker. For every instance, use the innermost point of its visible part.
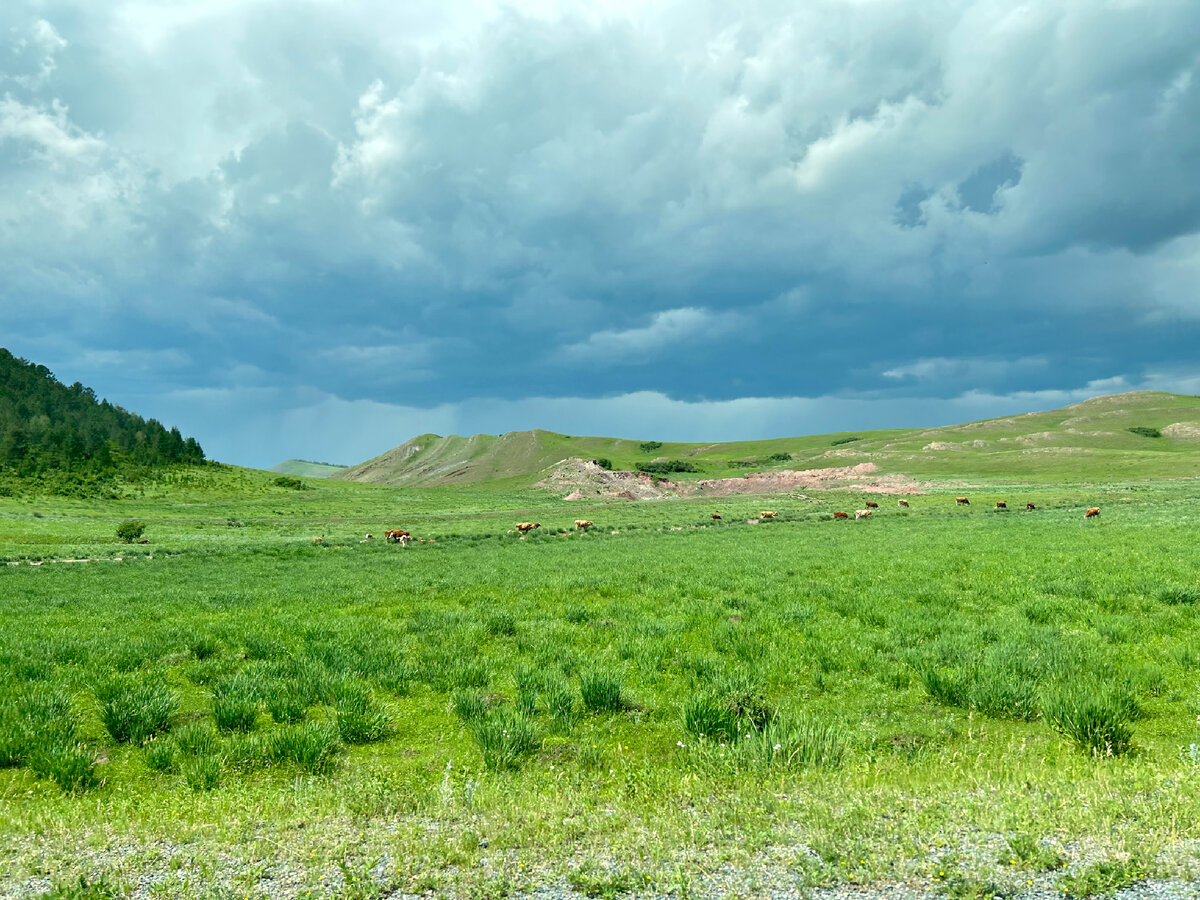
(969, 700)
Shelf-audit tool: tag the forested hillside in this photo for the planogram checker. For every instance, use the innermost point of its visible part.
(51, 431)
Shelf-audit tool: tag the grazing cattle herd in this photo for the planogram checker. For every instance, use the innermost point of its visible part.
(402, 537)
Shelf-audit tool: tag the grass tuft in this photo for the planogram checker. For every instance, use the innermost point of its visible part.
(134, 710)
(601, 691)
(1094, 715)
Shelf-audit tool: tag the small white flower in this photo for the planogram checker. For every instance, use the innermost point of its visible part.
(779, 746)
(680, 744)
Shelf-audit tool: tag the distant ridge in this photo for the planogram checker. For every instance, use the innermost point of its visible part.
(306, 468)
(1141, 434)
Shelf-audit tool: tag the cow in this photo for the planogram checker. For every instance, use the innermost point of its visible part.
(716, 517)
(1000, 504)
(902, 503)
(1092, 512)
(961, 501)
(1029, 507)
(862, 514)
(841, 515)
(406, 537)
(582, 524)
(526, 527)
(368, 537)
(395, 535)
(767, 514)
(319, 540)
(871, 504)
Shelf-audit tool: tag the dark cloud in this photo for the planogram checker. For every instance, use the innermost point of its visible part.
(443, 215)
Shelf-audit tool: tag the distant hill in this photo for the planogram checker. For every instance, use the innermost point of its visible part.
(305, 468)
(49, 430)
(1136, 435)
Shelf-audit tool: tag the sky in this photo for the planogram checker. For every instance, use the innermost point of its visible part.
(317, 228)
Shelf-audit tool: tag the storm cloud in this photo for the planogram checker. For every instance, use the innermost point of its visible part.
(316, 229)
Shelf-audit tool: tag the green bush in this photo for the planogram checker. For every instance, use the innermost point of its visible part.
(666, 467)
(601, 692)
(313, 746)
(290, 482)
(360, 720)
(1146, 431)
(780, 457)
(845, 440)
(604, 463)
(505, 737)
(1095, 716)
(129, 531)
(235, 704)
(134, 710)
(649, 446)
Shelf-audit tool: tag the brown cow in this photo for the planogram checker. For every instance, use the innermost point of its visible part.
(1092, 512)
(582, 524)
(767, 514)
(395, 535)
(902, 503)
(1000, 504)
(526, 527)
(862, 514)
(1029, 506)
(716, 516)
(319, 540)
(841, 515)
(871, 504)
(962, 501)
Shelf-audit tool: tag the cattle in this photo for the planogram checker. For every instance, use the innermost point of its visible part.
(862, 514)
(902, 503)
(716, 516)
(1029, 507)
(871, 504)
(368, 537)
(406, 537)
(319, 540)
(1093, 512)
(767, 514)
(962, 501)
(841, 515)
(394, 535)
(526, 527)
(582, 524)
(1000, 504)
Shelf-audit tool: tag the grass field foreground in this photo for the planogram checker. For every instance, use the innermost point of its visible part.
(958, 697)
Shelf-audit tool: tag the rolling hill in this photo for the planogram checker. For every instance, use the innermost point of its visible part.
(1123, 436)
(304, 468)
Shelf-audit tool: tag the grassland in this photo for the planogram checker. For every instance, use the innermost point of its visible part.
(1136, 435)
(969, 700)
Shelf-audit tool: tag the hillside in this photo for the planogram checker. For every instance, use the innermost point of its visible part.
(304, 468)
(48, 429)
(1084, 441)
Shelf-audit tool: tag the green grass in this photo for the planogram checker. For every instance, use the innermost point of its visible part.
(866, 691)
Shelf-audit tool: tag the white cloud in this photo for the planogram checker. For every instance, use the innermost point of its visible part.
(668, 329)
(964, 370)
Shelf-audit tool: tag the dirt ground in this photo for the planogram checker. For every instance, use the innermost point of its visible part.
(588, 481)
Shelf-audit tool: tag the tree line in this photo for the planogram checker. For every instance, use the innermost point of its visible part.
(63, 434)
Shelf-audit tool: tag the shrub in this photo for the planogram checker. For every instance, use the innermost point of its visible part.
(70, 764)
(1146, 431)
(505, 737)
(649, 446)
(286, 703)
(666, 467)
(501, 624)
(235, 704)
(601, 692)
(780, 457)
(197, 738)
(1095, 716)
(468, 705)
(129, 531)
(133, 711)
(845, 440)
(359, 718)
(160, 755)
(790, 745)
(290, 482)
(312, 746)
(202, 773)
(1178, 594)
(604, 463)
